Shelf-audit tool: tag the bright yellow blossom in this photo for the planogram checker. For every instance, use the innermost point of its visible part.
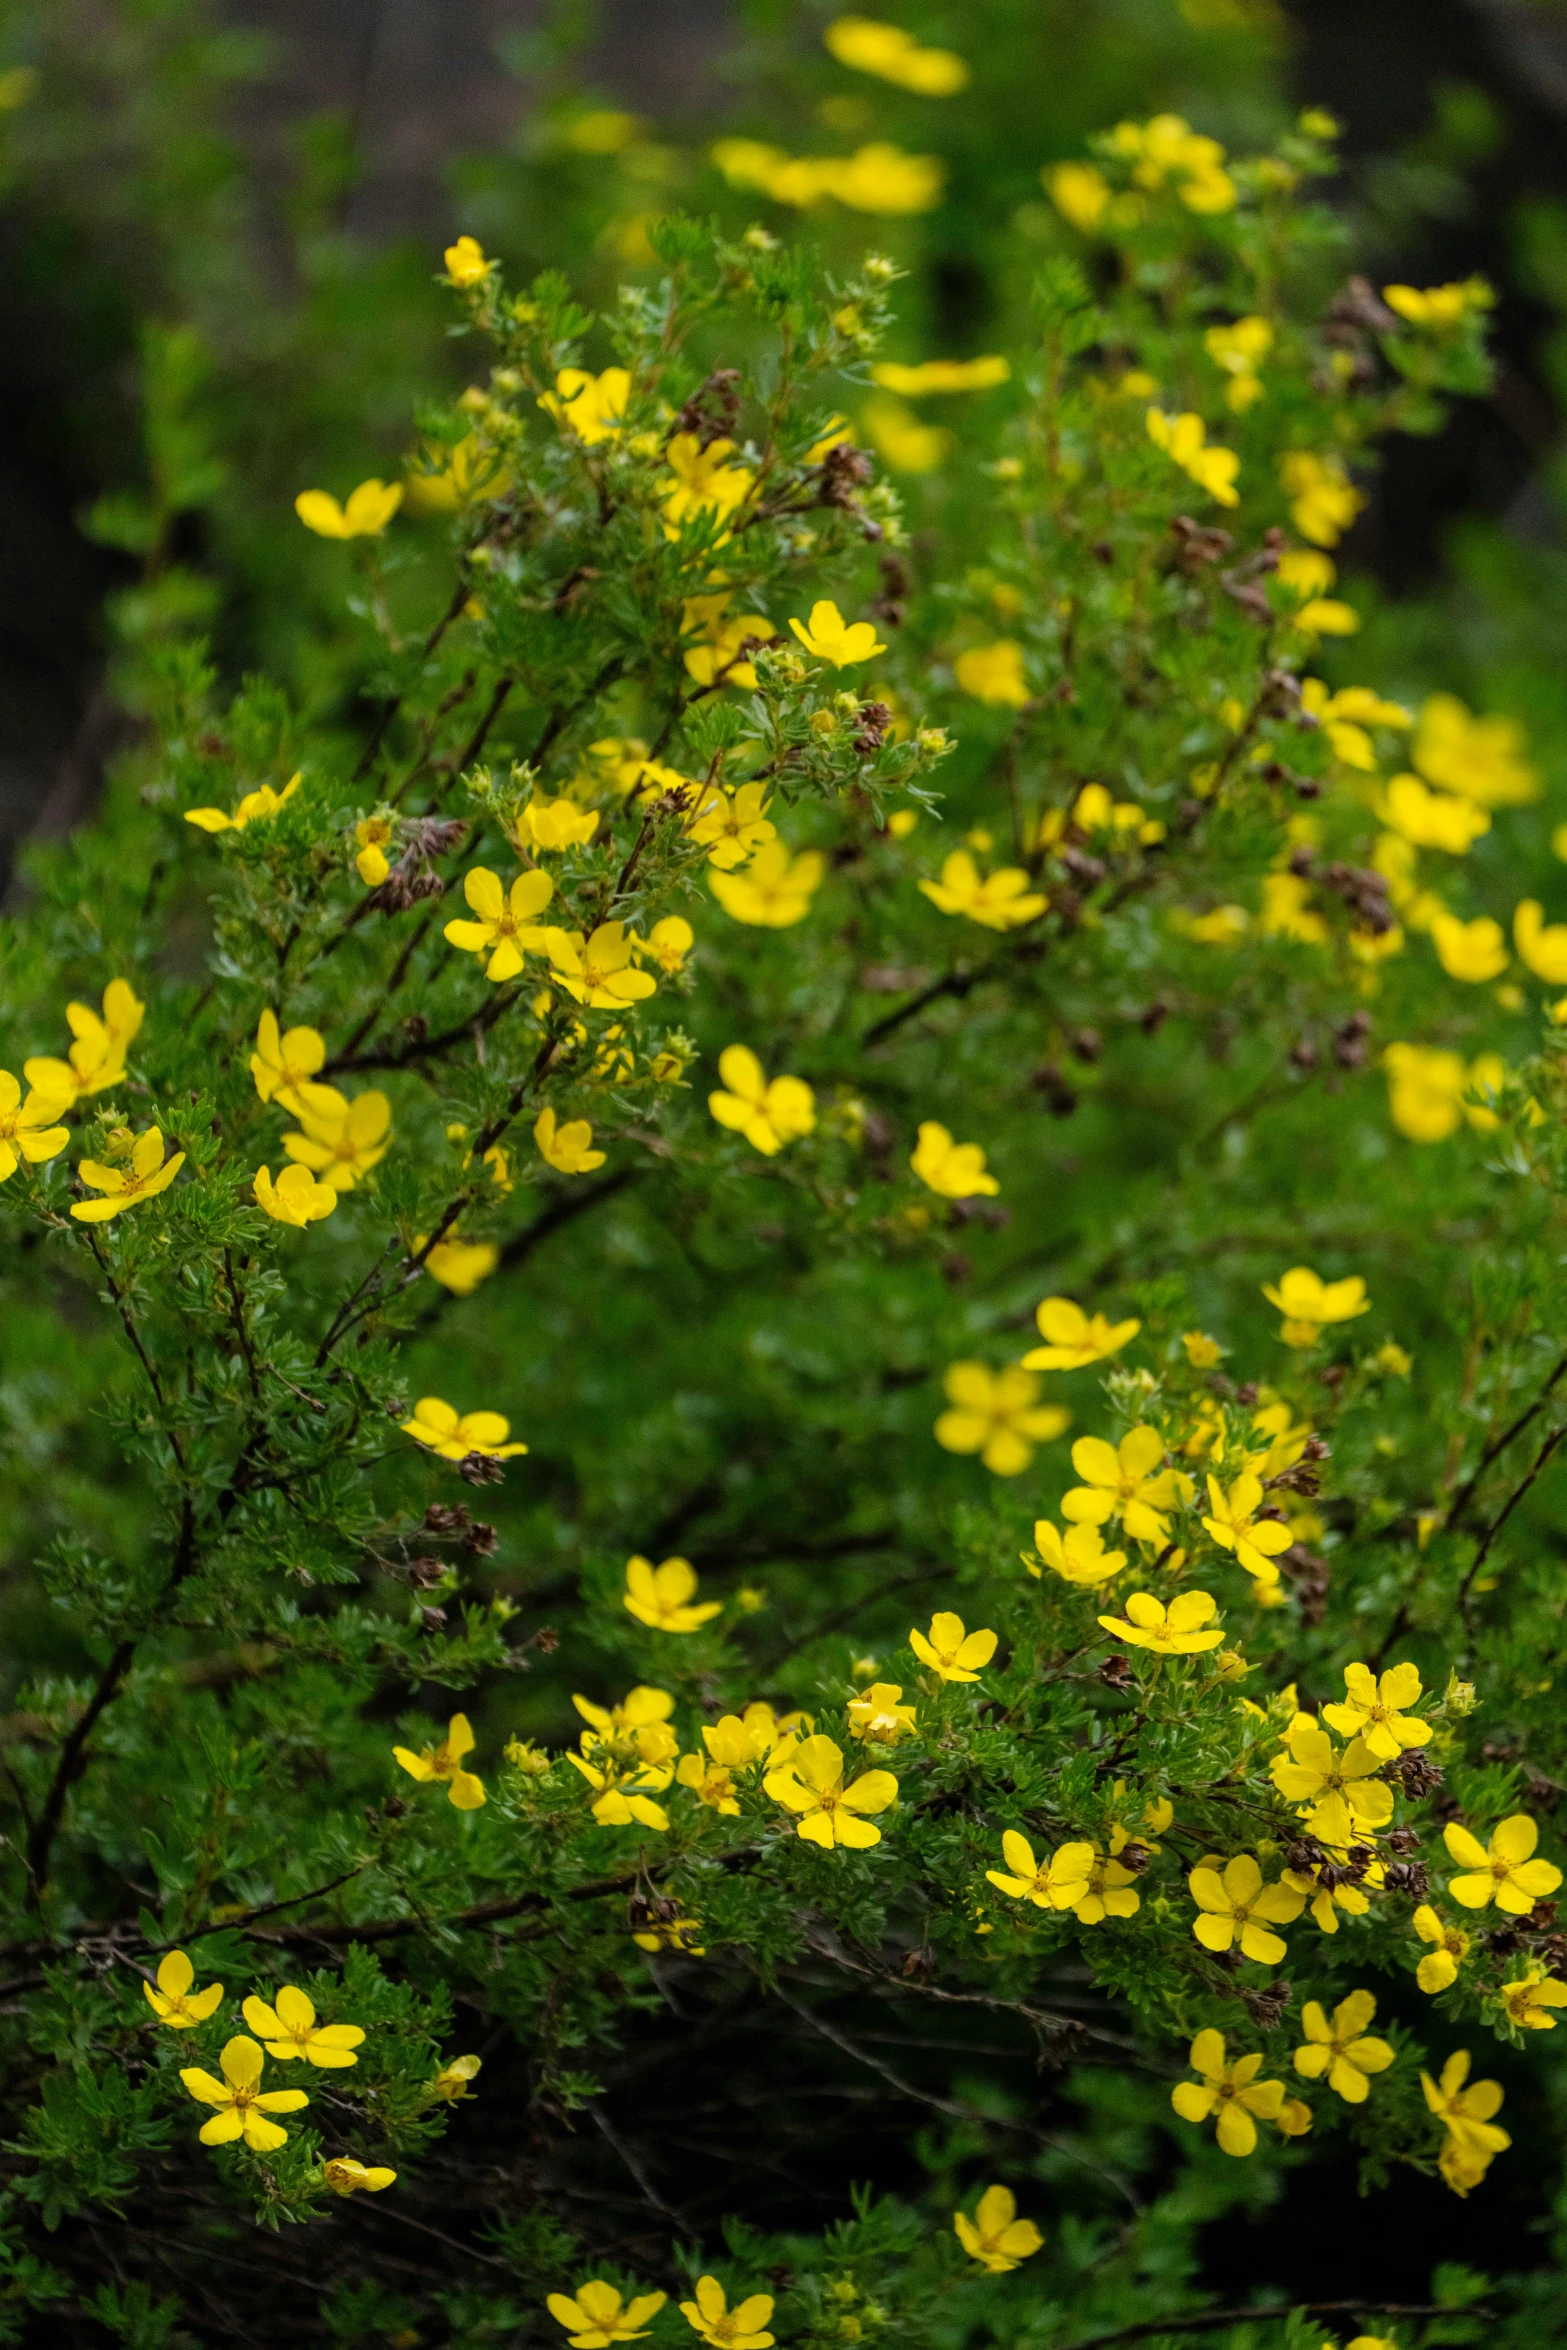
(364, 514)
(506, 929)
(97, 1054)
(998, 1415)
(702, 483)
(1240, 350)
(1481, 758)
(731, 825)
(1209, 464)
(438, 1427)
(1471, 951)
(954, 1170)
(149, 1173)
(459, 1265)
(1504, 1871)
(995, 2236)
(569, 1148)
(545, 825)
(241, 2103)
(591, 406)
(595, 2318)
(1234, 1525)
(598, 970)
(296, 1197)
(811, 1784)
(174, 2002)
(346, 2177)
(1077, 1556)
(1182, 1629)
(1309, 1304)
(775, 890)
(723, 655)
(768, 1112)
(723, 2328)
(1339, 2050)
(994, 674)
(27, 1128)
(1079, 193)
(282, 1062)
(1466, 2108)
(1166, 149)
(950, 1651)
(1323, 499)
(1125, 1481)
(668, 943)
(372, 835)
(1000, 900)
(256, 807)
(1376, 1710)
(1529, 2001)
(877, 1714)
(830, 637)
(288, 2029)
(444, 1763)
(1434, 819)
(1346, 1796)
(662, 1597)
(451, 2083)
(342, 1139)
(1430, 1092)
(465, 262)
(1542, 946)
(1233, 2091)
(886, 50)
(941, 375)
(1439, 306)
(1236, 1909)
(1074, 1339)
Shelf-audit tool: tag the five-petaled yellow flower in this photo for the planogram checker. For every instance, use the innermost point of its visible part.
(595, 2318)
(954, 1170)
(950, 1651)
(598, 971)
(731, 825)
(1440, 1965)
(662, 1597)
(97, 1054)
(831, 638)
(1000, 901)
(1181, 1629)
(668, 943)
(296, 1197)
(506, 928)
(1236, 1909)
(1375, 1710)
(149, 1173)
(740, 2328)
(1340, 2049)
(1466, 2108)
(1073, 1338)
(867, 45)
(288, 2029)
(364, 513)
(444, 1762)
(775, 890)
(465, 262)
(174, 2002)
(1234, 1525)
(1346, 1795)
(342, 1139)
(281, 1062)
(1530, 2000)
(454, 1436)
(1309, 1304)
(995, 2236)
(1125, 1481)
(27, 1128)
(569, 1148)
(591, 406)
(768, 1113)
(1077, 1556)
(1504, 1872)
(241, 2102)
(811, 1783)
(346, 2177)
(998, 1415)
(878, 1715)
(993, 673)
(1233, 2090)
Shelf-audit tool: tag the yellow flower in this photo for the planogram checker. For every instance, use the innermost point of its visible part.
(567, 1148)
(941, 375)
(668, 943)
(993, 673)
(712, 1783)
(1167, 148)
(676, 1933)
(281, 1062)
(1125, 1481)
(868, 46)
(27, 1128)
(1000, 900)
(954, 1170)
(444, 1762)
(1466, 2108)
(437, 1426)
(1077, 1556)
(723, 655)
(505, 929)
(242, 2106)
(877, 1714)
(1079, 193)
(1542, 947)
(1240, 350)
(1052, 1884)
(1346, 1795)
(459, 1265)
(1529, 2001)
(1482, 758)
(365, 514)
(1429, 1090)
(774, 891)
(342, 1139)
(811, 1783)
(451, 2082)
(1472, 951)
(1286, 910)
(1209, 464)
(1073, 1338)
(149, 1173)
(546, 825)
(1174, 1631)
(1375, 1710)
(1308, 1303)
(831, 638)
(296, 1197)
(465, 262)
(662, 1596)
(288, 2028)
(703, 483)
(372, 834)
(598, 971)
(1439, 306)
(1504, 1872)
(1339, 2049)
(1436, 820)
(444, 479)
(1255, 1541)
(997, 1414)
(628, 1756)
(1325, 1901)
(995, 2236)
(950, 1651)
(740, 2328)
(1202, 1352)
(257, 807)
(595, 2318)
(1323, 499)
(591, 406)
(731, 825)
(346, 2177)
(174, 2003)
(1236, 1909)
(1232, 2090)
(768, 1113)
